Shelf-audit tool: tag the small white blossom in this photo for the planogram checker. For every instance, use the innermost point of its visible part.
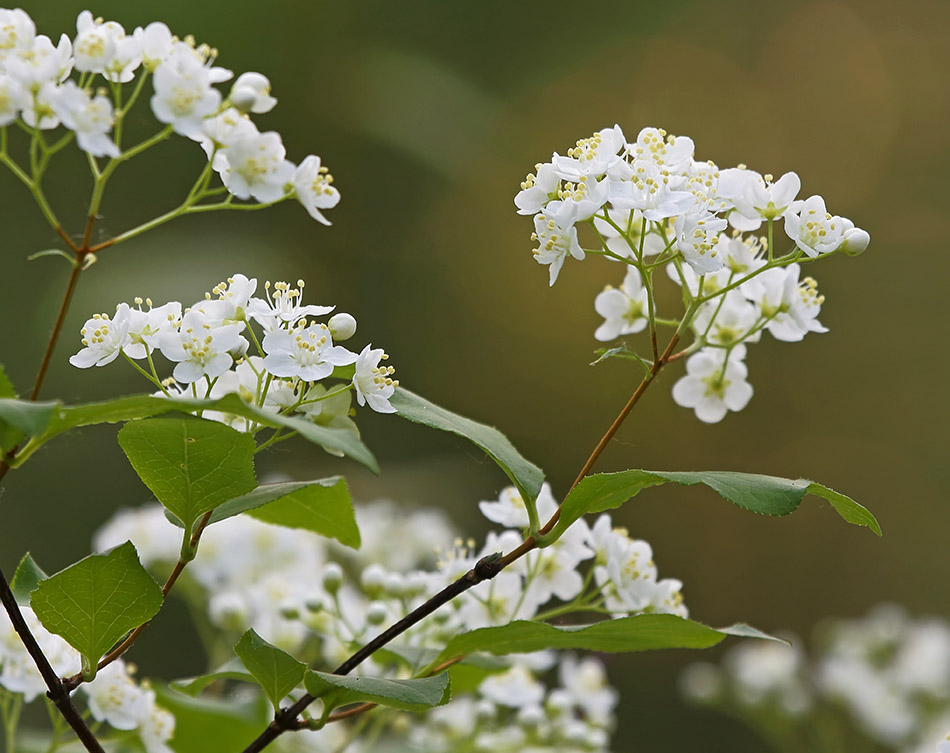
(256, 167)
(90, 117)
(791, 307)
(184, 96)
(756, 197)
(374, 383)
(814, 230)
(201, 348)
(146, 327)
(624, 309)
(155, 42)
(697, 238)
(251, 93)
(715, 383)
(12, 99)
(555, 241)
(307, 353)
(537, 189)
(284, 309)
(314, 187)
(103, 338)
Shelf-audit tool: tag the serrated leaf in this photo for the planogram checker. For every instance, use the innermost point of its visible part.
(767, 495)
(323, 506)
(205, 724)
(645, 632)
(93, 603)
(27, 577)
(408, 695)
(276, 671)
(191, 465)
(338, 441)
(523, 474)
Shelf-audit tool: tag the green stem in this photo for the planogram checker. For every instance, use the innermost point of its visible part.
(152, 378)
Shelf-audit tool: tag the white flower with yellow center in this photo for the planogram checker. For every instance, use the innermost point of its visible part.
(555, 240)
(12, 99)
(90, 117)
(284, 308)
(591, 157)
(184, 96)
(307, 353)
(17, 32)
(256, 167)
(697, 238)
(114, 697)
(374, 383)
(644, 186)
(146, 327)
(624, 309)
(715, 383)
(792, 307)
(672, 154)
(41, 64)
(200, 347)
(757, 197)
(314, 187)
(103, 338)
(537, 189)
(814, 230)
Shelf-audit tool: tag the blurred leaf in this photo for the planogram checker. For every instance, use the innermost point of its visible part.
(146, 406)
(93, 603)
(768, 495)
(523, 473)
(26, 578)
(276, 671)
(6, 386)
(408, 695)
(54, 252)
(232, 670)
(191, 465)
(19, 418)
(323, 506)
(638, 633)
(203, 724)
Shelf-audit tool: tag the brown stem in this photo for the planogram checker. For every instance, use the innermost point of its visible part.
(486, 568)
(71, 683)
(58, 326)
(57, 693)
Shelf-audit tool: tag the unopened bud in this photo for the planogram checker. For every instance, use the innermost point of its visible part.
(372, 579)
(332, 577)
(855, 242)
(376, 614)
(342, 326)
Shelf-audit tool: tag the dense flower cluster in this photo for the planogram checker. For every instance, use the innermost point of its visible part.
(113, 697)
(250, 574)
(35, 87)
(650, 204)
(296, 355)
(891, 673)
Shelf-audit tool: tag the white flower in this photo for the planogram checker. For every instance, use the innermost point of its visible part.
(103, 338)
(17, 31)
(156, 43)
(509, 509)
(95, 42)
(307, 353)
(114, 697)
(40, 110)
(756, 198)
(624, 309)
(672, 154)
(251, 93)
(89, 117)
(284, 309)
(155, 539)
(585, 682)
(256, 168)
(157, 726)
(791, 307)
(631, 237)
(591, 157)
(12, 99)
(734, 320)
(714, 384)
(200, 347)
(18, 673)
(233, 297)
(374, 383)
(813, 229)
(644, 186)
(582, 200)
(555, 241)
(223, 130)
(623, 568)
(768, 670)
(515, 688)
(500, 600)
(314, 188)
(697, 238)
(184, 96)
(146, 327)
(537, 189)
(42, 63)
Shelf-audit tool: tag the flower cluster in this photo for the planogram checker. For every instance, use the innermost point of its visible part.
(296, 355)
(650, 204)
(113, 697)
(891, 673)
(36, 87)
(253, 574)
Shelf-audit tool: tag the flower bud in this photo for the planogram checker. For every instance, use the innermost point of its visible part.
(394, 585)
(332, 577)
(251, 93)
(290, 612)
(485, 710)
(530, 717)
(855, 241)
(315, 605)
(372, 579)
(376, 614)
(342, 326)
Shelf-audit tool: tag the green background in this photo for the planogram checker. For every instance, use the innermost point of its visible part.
(429, 115)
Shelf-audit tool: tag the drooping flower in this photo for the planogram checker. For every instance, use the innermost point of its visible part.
(555, 241)
(374, 383)
(314, 187)
(251, 93)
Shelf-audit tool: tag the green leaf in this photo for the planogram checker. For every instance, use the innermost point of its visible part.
(768, 495)
(93, 603)
(337, 441)
(53, 252)
(6, 386)
(276, 671)
(638, 633)
(192, 686)
(323, 506)
(26, 578)
(408, 695)
(204, 724)
(523, 473)
(26, 416)
(191, 465)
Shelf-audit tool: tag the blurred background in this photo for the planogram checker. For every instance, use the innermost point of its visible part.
(429, 115)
